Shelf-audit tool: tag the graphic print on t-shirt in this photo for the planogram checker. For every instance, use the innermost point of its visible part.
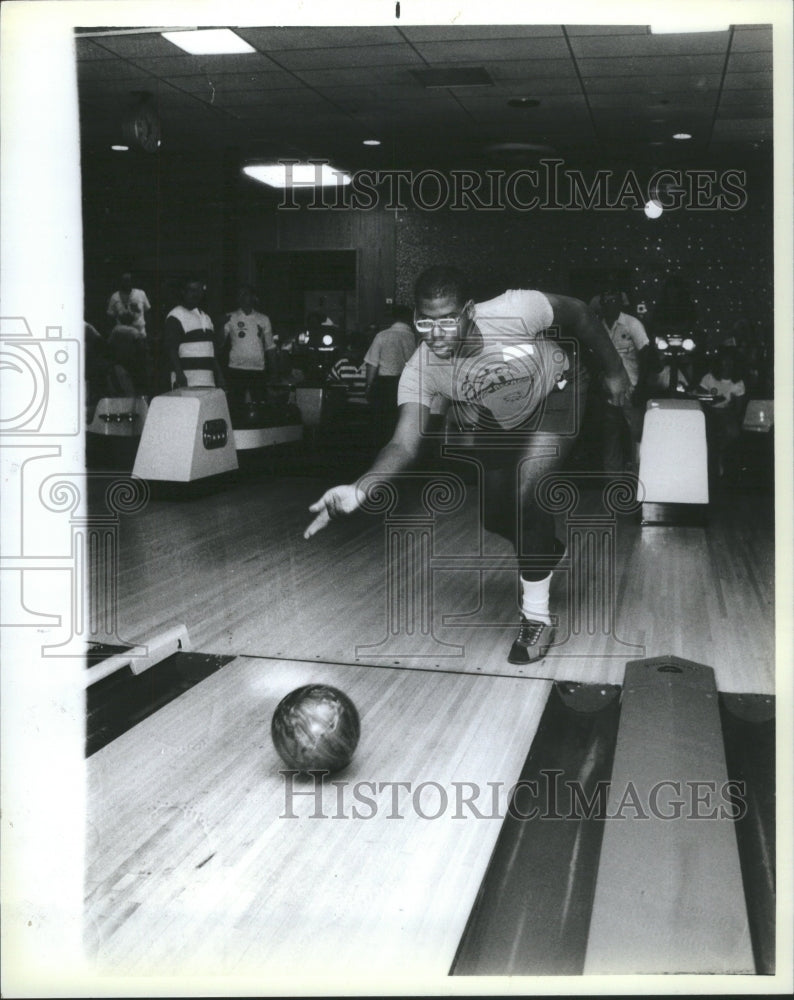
(503, 386)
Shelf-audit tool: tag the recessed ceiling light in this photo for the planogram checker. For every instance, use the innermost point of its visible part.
(208, 41)
(371, 142)
(121, 149)
(682, 135)
(523, 102)
(308, 175)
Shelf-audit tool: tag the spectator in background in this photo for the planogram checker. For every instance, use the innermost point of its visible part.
(385, 360)
(622, 426)
(594, 305)
(250, 349)
(127, 343)
(724, 411)
(189, 339)
(128, 306)
(349, 372)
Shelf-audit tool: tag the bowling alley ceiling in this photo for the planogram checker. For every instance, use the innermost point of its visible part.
(440, 95)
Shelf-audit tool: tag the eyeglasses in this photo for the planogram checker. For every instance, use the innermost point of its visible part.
(446, 324)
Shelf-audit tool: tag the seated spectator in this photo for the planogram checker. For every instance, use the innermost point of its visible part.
(349, 371)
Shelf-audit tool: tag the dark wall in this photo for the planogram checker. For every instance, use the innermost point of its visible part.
(163, 217)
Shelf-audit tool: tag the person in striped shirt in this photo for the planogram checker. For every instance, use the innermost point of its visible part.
(190, 341)
(349, 371)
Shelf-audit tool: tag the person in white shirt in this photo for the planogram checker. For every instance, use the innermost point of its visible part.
(385, 360)
(127, 342)
(251, 350)
(128, 306)
(496, 367)
(622, 427)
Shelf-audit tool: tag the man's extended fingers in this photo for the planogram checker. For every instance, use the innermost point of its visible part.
(318, 523)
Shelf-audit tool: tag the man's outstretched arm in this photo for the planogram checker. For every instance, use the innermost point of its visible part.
(399, 454)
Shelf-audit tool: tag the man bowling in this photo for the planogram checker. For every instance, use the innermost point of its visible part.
(497, 365)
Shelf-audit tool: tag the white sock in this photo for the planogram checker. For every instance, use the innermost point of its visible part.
(535, 599)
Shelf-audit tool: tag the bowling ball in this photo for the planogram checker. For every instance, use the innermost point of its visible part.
(315, 728)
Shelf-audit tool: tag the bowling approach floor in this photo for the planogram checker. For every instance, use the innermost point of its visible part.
(430, 590)
(191, 866)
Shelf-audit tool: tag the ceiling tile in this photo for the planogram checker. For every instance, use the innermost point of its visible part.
(551, 104)
(235, 81)
(705, 43)
(633, 100)
(144, 44)
(86, 49)
(652, 84)
(330, 58)
(111, 69)
(748, 81)
(474, 32)
(268, 39)
(753, 100)
(537, 87)
(496, 50)
(651, 66)
(185, 65)
(538, 69)
(749, 62)
(321, 78)
(606, 29)
(752, 39)
(747, 127)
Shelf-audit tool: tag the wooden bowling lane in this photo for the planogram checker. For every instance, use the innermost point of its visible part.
(200, 862)
(235, 568)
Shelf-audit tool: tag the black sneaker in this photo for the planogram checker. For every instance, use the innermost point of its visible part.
(532, 643)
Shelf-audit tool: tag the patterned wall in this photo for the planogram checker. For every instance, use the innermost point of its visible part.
(726, 257)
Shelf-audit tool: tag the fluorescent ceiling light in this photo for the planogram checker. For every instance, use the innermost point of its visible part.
(682, 28)
(280, 175)
(208, 41)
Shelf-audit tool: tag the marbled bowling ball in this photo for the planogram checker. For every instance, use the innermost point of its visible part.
(316, 728)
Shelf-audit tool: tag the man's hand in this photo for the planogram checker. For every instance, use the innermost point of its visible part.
(334, 502)
(618, 388)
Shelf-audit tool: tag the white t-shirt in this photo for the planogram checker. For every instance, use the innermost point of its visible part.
(628, 337)
(722, 387)
(391, 349)
(502, 384)
(251, 335)
(136, 304)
